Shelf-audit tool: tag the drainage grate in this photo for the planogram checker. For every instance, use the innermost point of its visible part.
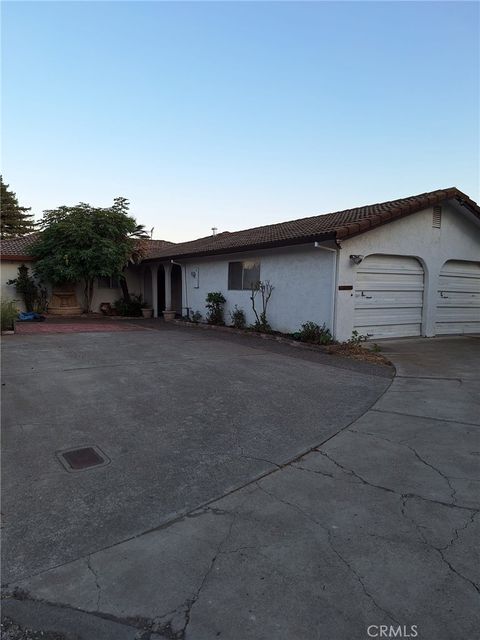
(82, 458)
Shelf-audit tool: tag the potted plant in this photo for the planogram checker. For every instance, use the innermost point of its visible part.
(147, 310)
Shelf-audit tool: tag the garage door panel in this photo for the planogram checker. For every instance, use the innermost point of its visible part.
(405, 315)
(389, 296)
(388, 299)
(389, 331)
(458, 298)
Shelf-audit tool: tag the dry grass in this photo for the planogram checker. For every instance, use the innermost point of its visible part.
(358, 352)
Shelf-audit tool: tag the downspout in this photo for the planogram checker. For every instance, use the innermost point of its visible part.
(335, 251)
(186, 289)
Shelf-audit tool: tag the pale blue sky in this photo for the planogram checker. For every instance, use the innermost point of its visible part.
(238, 114)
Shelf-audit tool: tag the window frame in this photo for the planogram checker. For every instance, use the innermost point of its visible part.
(256, 262)
(113, 282)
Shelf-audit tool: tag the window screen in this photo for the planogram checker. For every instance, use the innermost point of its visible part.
(251, 274)
(243, 275)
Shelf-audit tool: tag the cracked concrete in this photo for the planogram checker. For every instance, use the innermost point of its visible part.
(377, 525)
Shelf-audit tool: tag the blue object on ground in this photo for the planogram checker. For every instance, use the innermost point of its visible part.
(30, 316)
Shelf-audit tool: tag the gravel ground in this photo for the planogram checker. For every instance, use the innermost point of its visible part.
(9, 630)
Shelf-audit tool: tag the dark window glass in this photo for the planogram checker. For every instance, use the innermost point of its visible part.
(104, 282)
(235, 270)
(107, 282)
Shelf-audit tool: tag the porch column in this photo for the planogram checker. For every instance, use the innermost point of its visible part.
(154, 269)
(168, 286)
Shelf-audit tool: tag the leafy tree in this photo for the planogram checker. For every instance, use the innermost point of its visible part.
(15, 221)
(82, 243)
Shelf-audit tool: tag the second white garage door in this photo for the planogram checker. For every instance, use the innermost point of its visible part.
(458, 300)
(389, 296)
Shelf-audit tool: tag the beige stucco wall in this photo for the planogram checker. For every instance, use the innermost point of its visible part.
(101, 294)
(9, 271)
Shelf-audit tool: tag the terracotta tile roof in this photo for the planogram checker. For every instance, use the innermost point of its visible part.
(338, 226)
(152, 247)
(18, 248)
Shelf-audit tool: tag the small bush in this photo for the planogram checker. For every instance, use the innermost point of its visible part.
(8, 314)
(132, 308)
(214, 301)
(196, 317)
(264, 290)
(357, 338)
(314, 333)
(238, 318)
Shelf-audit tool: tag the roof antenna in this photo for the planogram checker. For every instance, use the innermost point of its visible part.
(214, 231)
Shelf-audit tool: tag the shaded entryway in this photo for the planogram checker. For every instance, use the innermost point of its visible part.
(177, 288)
(147, 287)
(161, 289)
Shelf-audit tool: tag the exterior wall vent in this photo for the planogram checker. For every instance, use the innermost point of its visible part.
(437, 217)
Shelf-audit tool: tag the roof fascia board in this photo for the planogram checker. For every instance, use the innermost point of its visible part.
(243, 248)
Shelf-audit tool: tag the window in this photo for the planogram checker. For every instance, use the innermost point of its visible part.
(243, 275)
(108, 282)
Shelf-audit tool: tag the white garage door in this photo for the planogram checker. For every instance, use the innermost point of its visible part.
(458, 301)
(389, 296)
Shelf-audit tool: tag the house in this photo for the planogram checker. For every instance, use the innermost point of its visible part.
(408, 267)
(16, 251)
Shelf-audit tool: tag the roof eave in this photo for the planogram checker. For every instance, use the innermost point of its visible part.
(16, 257)
(244, 248)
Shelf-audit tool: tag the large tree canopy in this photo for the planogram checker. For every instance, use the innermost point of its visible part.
(15, 221)
(81, 243)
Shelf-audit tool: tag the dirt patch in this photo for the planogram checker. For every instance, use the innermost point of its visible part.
(72, 327)
(357, 352)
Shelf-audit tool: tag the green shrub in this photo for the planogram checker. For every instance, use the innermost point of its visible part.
(132, 308)
(357, 338)
(8, 314)
(314, 333)
(214, 301)
(196, 317)
(238, 318)
(33, 294)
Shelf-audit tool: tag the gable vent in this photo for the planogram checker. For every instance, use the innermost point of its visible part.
(437, 217)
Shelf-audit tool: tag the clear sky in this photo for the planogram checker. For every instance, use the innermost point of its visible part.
(237, 114)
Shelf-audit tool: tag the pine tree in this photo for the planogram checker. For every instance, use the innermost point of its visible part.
(15, 221)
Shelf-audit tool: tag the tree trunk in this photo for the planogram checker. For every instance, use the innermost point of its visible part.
(88, 293)
(124, 286)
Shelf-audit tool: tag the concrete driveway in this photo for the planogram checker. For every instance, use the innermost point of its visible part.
(209, 522)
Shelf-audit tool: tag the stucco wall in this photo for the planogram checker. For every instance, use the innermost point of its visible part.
(9, 271)
(302, 278)
(101, 294)
(457, 239)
